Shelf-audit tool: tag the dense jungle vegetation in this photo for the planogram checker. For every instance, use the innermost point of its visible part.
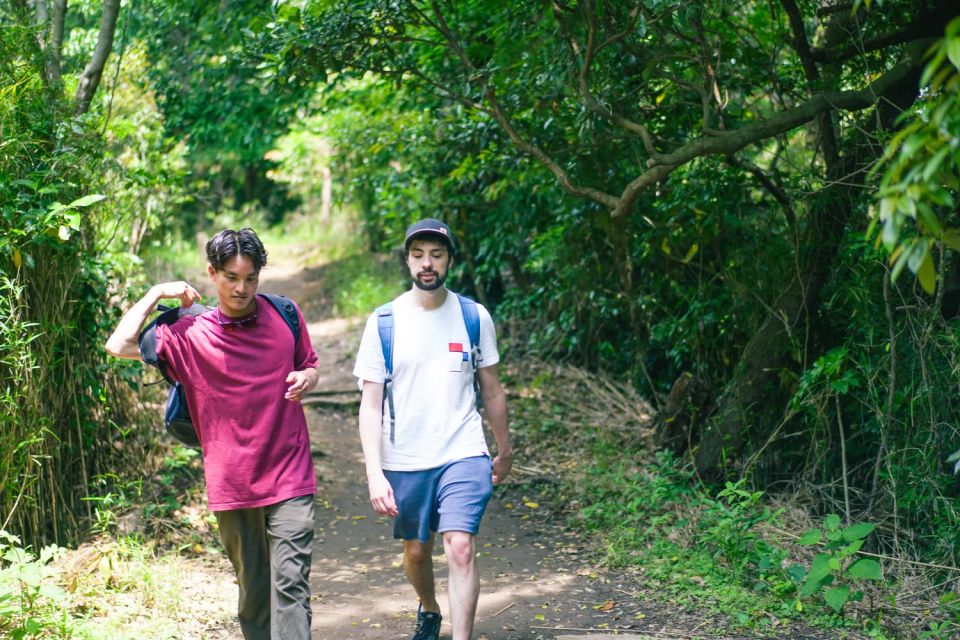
(744, 212)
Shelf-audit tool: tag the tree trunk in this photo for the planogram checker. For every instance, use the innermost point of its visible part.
(767, 352)
(90, 80)
(326, 189)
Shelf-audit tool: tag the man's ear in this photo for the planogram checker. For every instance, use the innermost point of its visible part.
(211, 271)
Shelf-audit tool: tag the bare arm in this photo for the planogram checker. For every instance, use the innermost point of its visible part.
(495, 401)
(122, 343)
(371, 416)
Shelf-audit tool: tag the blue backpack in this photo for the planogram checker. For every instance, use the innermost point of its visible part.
(176, 417)
(471, 318)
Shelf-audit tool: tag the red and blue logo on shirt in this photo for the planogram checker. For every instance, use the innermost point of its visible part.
(457, 347)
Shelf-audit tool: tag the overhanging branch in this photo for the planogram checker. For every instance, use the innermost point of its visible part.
(729, 142)
(600, 197)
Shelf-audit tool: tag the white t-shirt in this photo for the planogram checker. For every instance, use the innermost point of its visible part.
(433, 397)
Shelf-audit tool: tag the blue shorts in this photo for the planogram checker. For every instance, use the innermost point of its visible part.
(449, 498)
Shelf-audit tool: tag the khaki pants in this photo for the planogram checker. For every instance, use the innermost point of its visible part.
(271, 550)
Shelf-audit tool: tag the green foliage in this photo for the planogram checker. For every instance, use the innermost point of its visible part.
(919, 184)
(732, 521)
(31, 605)
(364, 285)
(949, 625)
(836, 572)
(63, 179)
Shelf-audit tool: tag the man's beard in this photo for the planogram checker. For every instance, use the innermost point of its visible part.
(433, 286)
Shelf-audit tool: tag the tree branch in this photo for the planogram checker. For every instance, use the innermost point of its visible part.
(451, 40)
(589, 100)
(55, 50)
(773, 188)
(90, 80)
(729, 142)
(834, 55)
(800, 42)
(42, 18)
(600, 197)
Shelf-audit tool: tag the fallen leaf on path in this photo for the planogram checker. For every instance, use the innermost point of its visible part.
(531, 505)
(606, 606)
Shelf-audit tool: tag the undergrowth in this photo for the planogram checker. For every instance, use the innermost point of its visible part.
(762, 560)
(147, 540)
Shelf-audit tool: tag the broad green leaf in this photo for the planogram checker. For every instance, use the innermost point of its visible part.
(866, 569)
(899, 265)
(858, 531)
(796, 572)
(831, 522)
(73, 221)
(933, 164)
(835, 564)
(819, 569)
(951, 238)
(927, 275)
(917, 253)
(837, 597)
(953, 51)
(953, 28)
(87, 200)
(811, 536)
(851, 549)
(930, 219)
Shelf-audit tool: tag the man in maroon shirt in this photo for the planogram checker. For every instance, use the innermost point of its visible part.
(244, 376)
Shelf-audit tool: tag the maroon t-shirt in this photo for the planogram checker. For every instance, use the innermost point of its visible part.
(256, 450)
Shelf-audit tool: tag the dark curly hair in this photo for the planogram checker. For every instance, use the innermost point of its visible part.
(229, 243)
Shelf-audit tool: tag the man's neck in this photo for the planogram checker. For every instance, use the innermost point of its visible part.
(238, 314)
(429, 300)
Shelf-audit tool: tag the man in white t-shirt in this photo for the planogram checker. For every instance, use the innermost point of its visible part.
(426, 455)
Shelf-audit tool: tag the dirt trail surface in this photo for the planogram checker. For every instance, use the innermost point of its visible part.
(532, 584)
(538, 581)
(535, 581)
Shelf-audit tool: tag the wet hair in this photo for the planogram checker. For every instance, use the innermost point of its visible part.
(229, 244)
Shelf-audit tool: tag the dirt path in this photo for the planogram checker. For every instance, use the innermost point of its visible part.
(535, 580)
(360, 590)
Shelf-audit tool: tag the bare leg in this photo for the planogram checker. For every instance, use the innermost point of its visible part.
(418, 565)
(464, 581)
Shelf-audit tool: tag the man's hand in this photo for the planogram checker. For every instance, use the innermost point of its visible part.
(502, 465)
(186, 293)
(123, 343)
(381, 495)
(300, 383)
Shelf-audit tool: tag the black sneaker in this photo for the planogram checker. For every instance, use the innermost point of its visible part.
(428, 625)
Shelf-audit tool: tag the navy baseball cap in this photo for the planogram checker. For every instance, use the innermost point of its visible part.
(430, 226)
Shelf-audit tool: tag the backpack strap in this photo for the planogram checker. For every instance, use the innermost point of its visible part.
(287, 311)
(385, 330)
(471, 318)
